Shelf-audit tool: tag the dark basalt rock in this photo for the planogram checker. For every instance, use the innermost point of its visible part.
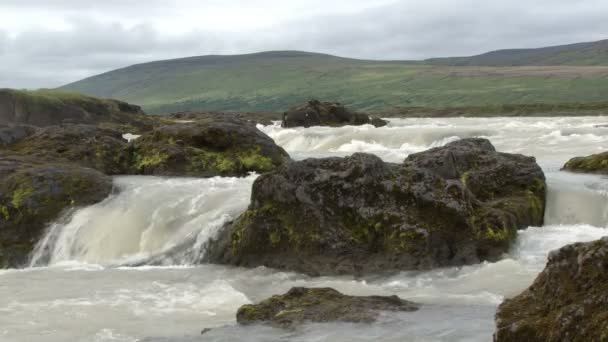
(32, 194)
(319, 305)
(89, 146)
(10, 134)
(453, 205)
(597, 163)
(316, 113)
(208, 147)
(567, 302)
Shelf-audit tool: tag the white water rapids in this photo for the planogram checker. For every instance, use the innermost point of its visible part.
(122, 270)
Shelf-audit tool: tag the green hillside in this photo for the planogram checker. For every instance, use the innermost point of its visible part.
(274, 81)
(593, 53)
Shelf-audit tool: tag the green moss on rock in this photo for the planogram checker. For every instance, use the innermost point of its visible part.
(211, 147)
(459, 204)
(33, 194)
(567, 301)
(322, 305)
(597, 163)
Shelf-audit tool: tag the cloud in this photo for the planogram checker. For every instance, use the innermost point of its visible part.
(72, 39)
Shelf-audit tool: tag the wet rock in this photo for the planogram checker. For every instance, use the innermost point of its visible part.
(49, 107)
(597, 163)
(453, 205)
(10, 134)
(89, 146)
(32, 194)
(319, 305)
(316, 113)
(567, 302)
(208, 147)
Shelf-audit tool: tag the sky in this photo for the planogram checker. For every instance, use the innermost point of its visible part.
(48, 43)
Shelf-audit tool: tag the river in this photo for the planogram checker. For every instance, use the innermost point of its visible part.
(126, 269)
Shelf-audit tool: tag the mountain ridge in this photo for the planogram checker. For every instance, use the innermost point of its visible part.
(275, 80)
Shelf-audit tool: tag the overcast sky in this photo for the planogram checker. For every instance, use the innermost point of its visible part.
(47, 43)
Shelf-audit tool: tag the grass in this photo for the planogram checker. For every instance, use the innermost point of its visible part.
(276, 81)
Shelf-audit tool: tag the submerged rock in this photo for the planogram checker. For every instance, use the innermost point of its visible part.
(207, 147)
(89, 146)
(32, 194)
(567, 302)
(597, 163)
(316, 113)
(453, 205)
(319, 305)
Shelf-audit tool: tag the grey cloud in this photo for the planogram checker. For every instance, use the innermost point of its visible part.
(405, 29)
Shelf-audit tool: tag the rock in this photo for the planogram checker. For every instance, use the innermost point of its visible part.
(32, 194)
(453, 205)
(207, 147)
(14, 133)
(567, 302)
(597, 163)
(316, 113)
(51, 107)
(88, 146)
(319, 305)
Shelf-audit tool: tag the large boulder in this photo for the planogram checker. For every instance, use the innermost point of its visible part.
(453, 205)
(208, 147)
(32, 194)
(567, 302)
(89, 146)
(319, 305)
(52, 107)
(596, 163)
(316, 113)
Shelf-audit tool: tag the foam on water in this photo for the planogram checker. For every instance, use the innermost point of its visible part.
(148, 218)
(90, 290)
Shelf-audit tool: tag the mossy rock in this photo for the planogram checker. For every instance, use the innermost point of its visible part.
(208, 147)
(317, 113)
(53, 107)
(320, 305)
(32, 194)
(360, 215)
(86, 145)
(597, 163)
(568, 301)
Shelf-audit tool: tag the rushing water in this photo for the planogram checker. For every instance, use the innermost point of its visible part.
(122, 270)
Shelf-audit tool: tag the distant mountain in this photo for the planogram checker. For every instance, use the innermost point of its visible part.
(593, 53)
(273, 81)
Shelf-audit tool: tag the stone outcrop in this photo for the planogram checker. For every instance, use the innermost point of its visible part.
(319, 305)
(86, 145)
(567, 302)
(597, 163)
(316, 113)
(207, 147)
(49, 107)
(458, 204)
(32, 194)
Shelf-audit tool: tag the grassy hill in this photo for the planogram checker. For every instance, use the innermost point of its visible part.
(593, 53)
(274, 81)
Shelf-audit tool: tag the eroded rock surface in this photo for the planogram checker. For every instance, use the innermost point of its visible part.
(567, 302)
(320, 305)
(458, 204)
(207, 147)
(32, 194)
(316, 113)
(597, 163)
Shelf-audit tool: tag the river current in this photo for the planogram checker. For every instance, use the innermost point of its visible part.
(126, 269)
